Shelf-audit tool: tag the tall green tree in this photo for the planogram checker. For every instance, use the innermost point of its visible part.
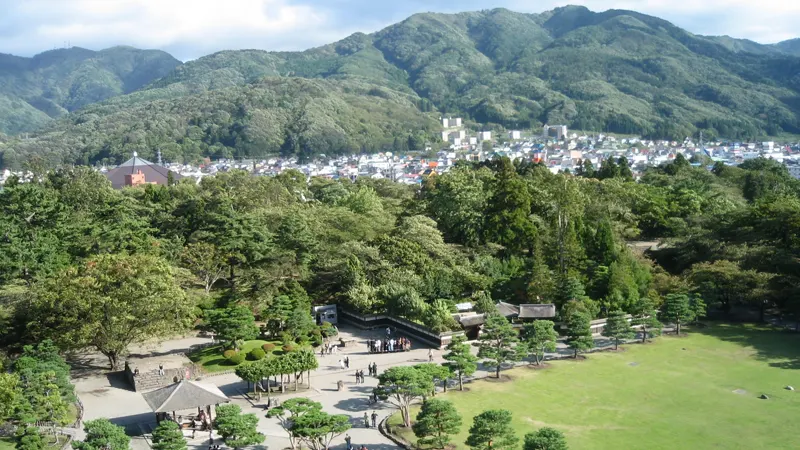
(508, 220)
(401, 386)
(460, 359)
(492, 430)
(618, 328)
(237, 430)
(168, 436)
(545, 438)
(102, 435)
(436, 422)
(646, 318)
(206, 262)
(232, 324)
(539, 337)
(678, 310)
(318, 429)
(579, 332)
(109, 303)
(288, 412)
(10, 395)
(29, 438)
(497, 342)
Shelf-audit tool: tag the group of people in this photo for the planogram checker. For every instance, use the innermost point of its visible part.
(374, 419)
(359, 376)
(389, 345)
(328, 348)
(344, 363)
(348, 440)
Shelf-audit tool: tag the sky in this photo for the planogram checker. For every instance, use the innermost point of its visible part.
(189, 29)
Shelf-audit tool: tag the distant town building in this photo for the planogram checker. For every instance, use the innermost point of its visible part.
(451, 122)
(557, 131)
(485, 136)
(137, 171)
(516, 135)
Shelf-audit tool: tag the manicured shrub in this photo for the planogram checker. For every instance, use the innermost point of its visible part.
(268, 347)
(288, 348)
(237, 358)
(228, 354)
(256, 354)
(316, 338)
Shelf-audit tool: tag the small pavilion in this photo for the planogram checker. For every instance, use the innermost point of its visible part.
(186, 395)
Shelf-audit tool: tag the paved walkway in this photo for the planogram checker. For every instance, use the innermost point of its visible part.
(107, 395)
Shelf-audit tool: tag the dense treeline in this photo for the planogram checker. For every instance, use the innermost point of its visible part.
(288, 116)
(35, 90)
(617, 71)
(73, 250)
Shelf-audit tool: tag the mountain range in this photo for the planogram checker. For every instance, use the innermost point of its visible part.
(618, 71)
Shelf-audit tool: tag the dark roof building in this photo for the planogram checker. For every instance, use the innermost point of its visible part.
(137, 171)
(507, 310)
(534, 311)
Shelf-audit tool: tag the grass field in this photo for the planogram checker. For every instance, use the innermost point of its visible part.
(6, 443)
(676, 393)
(211, 359)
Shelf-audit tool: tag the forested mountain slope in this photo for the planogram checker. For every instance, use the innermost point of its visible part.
(617, 71)
(53, 83)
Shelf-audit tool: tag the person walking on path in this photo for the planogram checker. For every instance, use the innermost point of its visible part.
(341, 364)
(347, 439)
(347, 362)
(374, 369)
(366, 420)
(430, 355)
(358, 378)
(374, 419)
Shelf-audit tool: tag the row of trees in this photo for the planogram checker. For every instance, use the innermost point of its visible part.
(290, 364)
(438, 420)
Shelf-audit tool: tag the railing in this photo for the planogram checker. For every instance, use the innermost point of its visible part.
(415, 330)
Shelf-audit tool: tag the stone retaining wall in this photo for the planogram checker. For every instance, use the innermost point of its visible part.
(152, 379)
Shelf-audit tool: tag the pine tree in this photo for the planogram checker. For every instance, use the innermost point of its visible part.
(168, 436)
(545, 438)
(492, 430)
(436, 422)
(579, 332)
(460, 359)
(618, 328)
(646, 319)
(625, 169)
(497, 342)
(678, 310)
(539, 337)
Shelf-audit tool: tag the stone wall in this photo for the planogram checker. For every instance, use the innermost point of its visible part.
(151, 379)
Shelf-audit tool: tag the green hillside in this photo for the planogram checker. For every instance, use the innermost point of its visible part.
(53, 83)
(322, 116)
(616, 71)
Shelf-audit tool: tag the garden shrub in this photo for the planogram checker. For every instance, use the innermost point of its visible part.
(228, 354)
(268, 347)
(237, 358)
(256, 354)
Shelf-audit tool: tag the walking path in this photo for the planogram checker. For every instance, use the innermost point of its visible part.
(108, 396)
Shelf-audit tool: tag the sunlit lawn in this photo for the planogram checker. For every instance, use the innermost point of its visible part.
(211, 359)
(676, 393)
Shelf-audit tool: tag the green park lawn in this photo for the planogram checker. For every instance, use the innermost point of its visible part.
(212, 361)
(672, 393)
(6, 443)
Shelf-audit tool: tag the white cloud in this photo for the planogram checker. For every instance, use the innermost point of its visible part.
(201, 24)
(192, 28)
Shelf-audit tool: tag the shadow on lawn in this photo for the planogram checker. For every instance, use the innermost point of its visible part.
(770, 343)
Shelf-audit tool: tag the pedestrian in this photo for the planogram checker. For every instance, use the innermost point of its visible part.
(430, 355)
(341, 364)
(366, 420)
(374, 419)
(358, 378)
(375, 369)
(161, 369)
(363, 447)
(347, 439)
(361, 372)
(347, 362)
(388, 331)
